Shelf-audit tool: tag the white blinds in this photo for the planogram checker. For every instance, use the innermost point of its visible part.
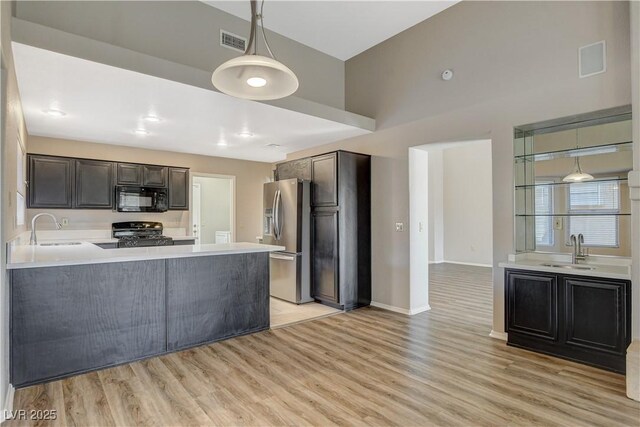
(590, 198)
(544, 206)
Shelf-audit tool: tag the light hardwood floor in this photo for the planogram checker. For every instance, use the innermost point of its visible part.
(366, 367)
(285, 313)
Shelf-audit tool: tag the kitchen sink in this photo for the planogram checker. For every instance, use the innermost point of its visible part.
(570, 266)
(61, 244)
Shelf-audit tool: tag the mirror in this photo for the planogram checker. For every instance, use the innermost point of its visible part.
(549, 207)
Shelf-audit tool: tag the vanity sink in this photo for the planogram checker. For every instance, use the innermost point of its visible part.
(570, 266)
(61, 244)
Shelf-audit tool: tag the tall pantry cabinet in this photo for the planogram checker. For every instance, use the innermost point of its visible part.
(340, 225)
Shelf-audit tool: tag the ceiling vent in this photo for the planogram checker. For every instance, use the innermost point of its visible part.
(592, 59)
(232, 41)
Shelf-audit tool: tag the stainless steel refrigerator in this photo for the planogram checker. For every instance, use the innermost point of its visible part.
(286, 217)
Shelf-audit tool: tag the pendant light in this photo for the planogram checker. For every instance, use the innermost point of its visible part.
(253, 76)
(577, 175)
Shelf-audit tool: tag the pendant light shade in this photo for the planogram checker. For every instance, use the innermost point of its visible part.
(577, 175)
(253, 76)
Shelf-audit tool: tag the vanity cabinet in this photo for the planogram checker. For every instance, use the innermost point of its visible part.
(581, 318)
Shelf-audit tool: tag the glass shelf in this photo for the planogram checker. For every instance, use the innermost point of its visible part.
(577, 152)
(573, 214)
(547, 184)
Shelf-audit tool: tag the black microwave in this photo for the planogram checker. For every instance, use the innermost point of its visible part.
(141, 199)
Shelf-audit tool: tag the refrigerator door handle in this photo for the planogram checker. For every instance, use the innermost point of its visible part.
(273, 215)
(283, 257)
(277, 213)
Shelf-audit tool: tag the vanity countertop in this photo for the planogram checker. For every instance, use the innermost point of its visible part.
(593, 266)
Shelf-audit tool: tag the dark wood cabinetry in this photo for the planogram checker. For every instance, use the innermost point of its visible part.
(178, 189)
(340, 225)
(50, 182)
(582, 318)
(93, 185)
(66, 183)
(129, 174)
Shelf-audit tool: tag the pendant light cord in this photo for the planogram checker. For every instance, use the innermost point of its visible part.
(253, 43)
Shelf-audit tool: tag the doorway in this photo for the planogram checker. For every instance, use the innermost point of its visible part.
(451, 226)
(213, 213)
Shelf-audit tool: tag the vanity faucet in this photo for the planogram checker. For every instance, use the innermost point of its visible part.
(34, 239)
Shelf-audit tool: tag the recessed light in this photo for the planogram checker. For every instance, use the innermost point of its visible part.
(141, 132)
(256, 81)
(245, 134)
(273, 145)
(54, 112)
(222, 144)
(152, 118)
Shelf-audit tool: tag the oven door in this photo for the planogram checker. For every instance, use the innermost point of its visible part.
(141, 199)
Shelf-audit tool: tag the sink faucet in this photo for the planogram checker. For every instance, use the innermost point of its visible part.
(34, 239)
(578, 252)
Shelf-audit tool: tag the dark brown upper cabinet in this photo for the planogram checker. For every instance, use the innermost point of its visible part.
(154, 176)
(50, 182)
(178, 189)
(129, 174)
(93, 184)
(324, 180)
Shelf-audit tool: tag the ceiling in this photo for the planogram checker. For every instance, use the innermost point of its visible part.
(105, 104)
(341, 29)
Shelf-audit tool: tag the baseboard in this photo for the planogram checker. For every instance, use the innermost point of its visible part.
(498, 335)
(399, 309)
(8, 403)
(473, 264)
(436, 262)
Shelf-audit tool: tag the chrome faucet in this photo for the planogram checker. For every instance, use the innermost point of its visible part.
(578, 251)
(34, 239)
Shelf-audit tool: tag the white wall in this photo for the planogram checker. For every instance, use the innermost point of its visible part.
(436, 206)
(468, 200)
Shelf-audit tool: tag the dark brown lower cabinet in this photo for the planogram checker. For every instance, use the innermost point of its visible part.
(324, 247)
(581, 318)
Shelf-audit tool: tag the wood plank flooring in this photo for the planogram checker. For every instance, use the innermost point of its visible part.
(366, 367)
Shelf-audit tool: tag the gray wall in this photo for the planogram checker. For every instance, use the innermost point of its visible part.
(185, 32)
(514, 63)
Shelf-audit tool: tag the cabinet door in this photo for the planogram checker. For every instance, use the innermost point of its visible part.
(324, 189)
(94, 184)
(300, 169)
(532, 304)
(178, 189)
(596, 314)
(50, 182)
(129, 174)
(324, 255)
(154, 176)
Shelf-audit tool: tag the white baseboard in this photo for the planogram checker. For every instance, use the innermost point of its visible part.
(436, 262)
(473, 264)
(8, 403)
(399, 309)
(498, 335)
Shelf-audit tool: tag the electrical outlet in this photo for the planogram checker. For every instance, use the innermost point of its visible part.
(399, 226)
(557, 223)
(64, 222)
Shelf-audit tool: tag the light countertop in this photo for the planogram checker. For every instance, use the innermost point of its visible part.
(605, 267)
(31, 256)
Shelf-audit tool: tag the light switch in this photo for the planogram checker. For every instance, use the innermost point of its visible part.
(399, 226)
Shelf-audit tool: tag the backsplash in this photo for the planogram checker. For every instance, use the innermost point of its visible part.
(85, 219)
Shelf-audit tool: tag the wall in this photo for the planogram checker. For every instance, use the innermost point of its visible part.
(13, 127)
(249, 179)
(514, 63)
(436, 206)
(215, 195)
(151, 27)
(468, 216)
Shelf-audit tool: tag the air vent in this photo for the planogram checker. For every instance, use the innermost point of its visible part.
(232, 41)
(592, 59)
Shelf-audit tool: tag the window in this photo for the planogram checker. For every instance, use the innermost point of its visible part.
(544, 206)
(596, 197)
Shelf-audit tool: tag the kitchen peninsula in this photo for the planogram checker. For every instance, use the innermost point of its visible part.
(76, 307)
